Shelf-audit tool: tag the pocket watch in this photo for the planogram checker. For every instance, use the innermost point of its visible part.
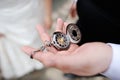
(62, 41)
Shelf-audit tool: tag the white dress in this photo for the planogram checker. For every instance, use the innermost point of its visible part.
(18, 20)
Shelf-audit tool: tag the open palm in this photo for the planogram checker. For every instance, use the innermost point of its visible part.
(88, 59)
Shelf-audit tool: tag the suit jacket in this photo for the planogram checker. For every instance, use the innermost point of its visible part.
(99, 20)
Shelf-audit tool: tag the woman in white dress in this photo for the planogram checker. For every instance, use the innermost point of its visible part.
(18, 20)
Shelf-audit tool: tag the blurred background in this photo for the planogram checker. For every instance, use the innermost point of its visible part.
(60, 9)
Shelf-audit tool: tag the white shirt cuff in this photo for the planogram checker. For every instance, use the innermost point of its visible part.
(113, 71)
(75, 0)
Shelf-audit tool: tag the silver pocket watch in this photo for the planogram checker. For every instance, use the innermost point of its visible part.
(62, 41)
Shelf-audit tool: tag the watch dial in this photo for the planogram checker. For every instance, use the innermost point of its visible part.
(60, 40)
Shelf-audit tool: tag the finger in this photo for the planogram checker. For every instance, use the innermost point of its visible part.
(45, 38)
(47, 58)
(43, 34)
(30, 50)
(65, 27)
(59, 26)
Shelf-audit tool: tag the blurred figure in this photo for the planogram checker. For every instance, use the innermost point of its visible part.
(18, 19)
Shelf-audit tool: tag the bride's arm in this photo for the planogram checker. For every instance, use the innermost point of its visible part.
(48, 13)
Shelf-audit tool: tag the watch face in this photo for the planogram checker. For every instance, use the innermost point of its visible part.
(60, 40)
(74, 33)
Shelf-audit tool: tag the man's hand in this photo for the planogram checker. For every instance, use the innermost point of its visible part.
(88, 59)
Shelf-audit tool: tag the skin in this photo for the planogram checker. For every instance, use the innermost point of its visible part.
(1, 35)
(48, 14)
(73, 11)
(86, 60)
